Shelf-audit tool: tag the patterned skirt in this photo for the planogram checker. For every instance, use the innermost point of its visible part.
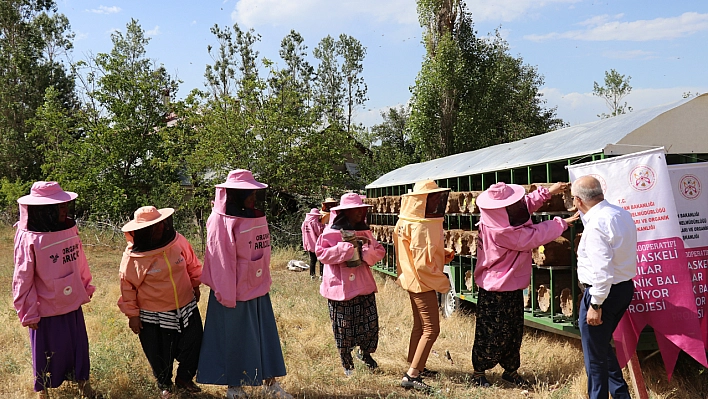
(355, 323)
(499, 330)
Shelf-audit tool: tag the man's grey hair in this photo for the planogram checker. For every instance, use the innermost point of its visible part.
(587, 189)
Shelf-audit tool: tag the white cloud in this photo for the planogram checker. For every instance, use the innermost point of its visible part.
(578, 108)
(114, 30)
(252, 13)
(630, 55)
(153, 32)
(80, 36)
(508, 10)
(194, 22)
(105, 10)
(604, 28)
(599, 20)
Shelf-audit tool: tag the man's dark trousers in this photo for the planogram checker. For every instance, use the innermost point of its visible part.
(601, 366)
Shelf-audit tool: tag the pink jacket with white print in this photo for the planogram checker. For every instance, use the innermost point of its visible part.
(51, 274)
(339, 282)
(237, 256)
(504, 260)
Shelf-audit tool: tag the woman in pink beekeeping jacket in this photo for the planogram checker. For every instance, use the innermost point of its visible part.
(240, 346)
(311, 230)
(50, 283)
(504, 265)
(348, 250)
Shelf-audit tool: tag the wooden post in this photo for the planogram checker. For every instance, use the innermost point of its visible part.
(640, 388)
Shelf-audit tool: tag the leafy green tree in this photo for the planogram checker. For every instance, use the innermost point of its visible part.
(269, 125)
(119, 161)
(352, 53)
(390, 145)
(33, 39)
(339, 84)
(53, 132)
(293, 52)
(329, 81)
(615, 89)
(470, 92)
(56, 35)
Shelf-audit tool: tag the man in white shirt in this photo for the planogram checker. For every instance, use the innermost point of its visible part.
(607, 262)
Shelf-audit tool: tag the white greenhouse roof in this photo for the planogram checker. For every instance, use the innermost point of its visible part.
(680, 127)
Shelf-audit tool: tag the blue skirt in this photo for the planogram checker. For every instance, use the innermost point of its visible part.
(60, 350)
(240, 346)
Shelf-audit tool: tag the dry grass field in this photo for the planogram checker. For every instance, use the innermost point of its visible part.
(120, 370)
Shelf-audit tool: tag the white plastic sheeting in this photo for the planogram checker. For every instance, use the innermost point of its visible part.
(672, 132)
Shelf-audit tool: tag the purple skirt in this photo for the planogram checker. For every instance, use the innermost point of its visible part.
(60, 350)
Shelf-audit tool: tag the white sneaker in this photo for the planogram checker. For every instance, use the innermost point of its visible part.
(349, 372)
(276, 391)
(235, 393)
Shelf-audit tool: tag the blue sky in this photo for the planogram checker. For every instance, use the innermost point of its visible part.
(660, 44)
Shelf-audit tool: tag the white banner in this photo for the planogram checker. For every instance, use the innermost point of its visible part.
(689, 181)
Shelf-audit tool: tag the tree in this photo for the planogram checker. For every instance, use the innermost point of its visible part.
(615, 89)
(390, 144)
(470, 92)
(328, 83)
(53, 132)
(352, 53)
(294, 52)
(119, 160)
(33, 37)
(268, 125)
(339, 85)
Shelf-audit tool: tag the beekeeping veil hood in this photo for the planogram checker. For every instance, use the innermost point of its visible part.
(426, 201)
(39, 211)
(231, 194)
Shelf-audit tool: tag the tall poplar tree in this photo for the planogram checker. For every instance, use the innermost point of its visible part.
(339, 83)
(470, 92)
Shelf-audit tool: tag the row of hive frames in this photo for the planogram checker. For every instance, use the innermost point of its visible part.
(465, 201)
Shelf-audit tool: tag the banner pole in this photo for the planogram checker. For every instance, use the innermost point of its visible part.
(640, 387)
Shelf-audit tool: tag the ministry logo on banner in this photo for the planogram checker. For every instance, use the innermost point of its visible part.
(692, 209)
(663, 287)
